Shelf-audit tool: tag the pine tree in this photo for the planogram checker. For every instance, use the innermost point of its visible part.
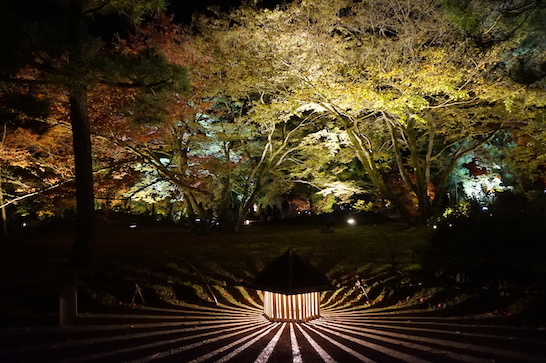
(66, 44)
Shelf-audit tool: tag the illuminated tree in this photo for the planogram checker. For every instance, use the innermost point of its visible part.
(516, 31)
(58, 44)
(411, 96)
(218, 156)
(36, 150)
(158, 137)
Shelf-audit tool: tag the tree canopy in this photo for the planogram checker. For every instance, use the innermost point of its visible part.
(383, 101)
(410, 94)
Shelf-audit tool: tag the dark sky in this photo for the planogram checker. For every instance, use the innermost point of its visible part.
(181, 9)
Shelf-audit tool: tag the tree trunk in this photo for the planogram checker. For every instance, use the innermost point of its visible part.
(2, 207)
(375, 176)
(85, 201)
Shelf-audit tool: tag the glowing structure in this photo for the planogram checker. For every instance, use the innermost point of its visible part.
(291, 289)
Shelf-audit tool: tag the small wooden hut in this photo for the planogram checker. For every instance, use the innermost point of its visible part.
(291, 288)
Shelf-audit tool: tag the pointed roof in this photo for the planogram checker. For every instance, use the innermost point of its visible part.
(289, 275)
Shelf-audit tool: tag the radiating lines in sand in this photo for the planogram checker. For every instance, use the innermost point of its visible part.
(238, 332)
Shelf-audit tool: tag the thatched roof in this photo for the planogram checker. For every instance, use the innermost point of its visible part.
(289, 275)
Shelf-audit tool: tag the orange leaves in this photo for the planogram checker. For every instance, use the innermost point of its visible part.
(163, 35)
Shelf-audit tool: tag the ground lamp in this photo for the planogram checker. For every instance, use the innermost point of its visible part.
(291, 288)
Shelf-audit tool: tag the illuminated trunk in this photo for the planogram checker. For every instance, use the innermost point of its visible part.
(374, 174)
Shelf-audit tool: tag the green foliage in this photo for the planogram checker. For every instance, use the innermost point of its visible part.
(149, 108)
(515, 29)
(134, 11)
(348, 97)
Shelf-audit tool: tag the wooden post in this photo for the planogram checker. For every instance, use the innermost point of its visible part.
(68, 305)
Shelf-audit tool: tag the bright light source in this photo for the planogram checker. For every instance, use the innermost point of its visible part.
(133, 225)
(247, 222)
(351, 221)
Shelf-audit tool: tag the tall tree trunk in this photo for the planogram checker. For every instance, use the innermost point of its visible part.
(85, 200)
(4, 216)
(2, 207)
(81, 142)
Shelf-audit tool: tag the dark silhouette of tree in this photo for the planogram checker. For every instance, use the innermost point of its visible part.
(65, 45)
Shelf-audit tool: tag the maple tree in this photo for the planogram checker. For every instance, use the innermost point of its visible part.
(154, 136)
(408, 92)
(35, 151)
(216, 156)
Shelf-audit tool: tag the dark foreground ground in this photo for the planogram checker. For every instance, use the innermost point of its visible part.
(159, 293)
(237, 332)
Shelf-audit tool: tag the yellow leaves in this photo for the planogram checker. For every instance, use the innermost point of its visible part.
(341, 189)
(419, 119)
(270, 113)
(362, 205)
(329, 140)
(392, 57)
(535, 97)
(412, 102)
(512, 96)
(15, 158)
